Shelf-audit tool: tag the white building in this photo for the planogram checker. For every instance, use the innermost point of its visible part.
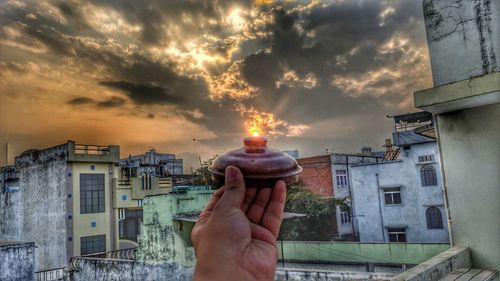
(402, 200)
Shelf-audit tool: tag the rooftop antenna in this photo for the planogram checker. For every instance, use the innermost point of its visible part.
(6, 154)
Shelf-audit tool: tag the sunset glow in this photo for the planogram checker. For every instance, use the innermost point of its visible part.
(143, 74)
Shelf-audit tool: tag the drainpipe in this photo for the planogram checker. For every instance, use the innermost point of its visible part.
(443, 180)
(380, 207)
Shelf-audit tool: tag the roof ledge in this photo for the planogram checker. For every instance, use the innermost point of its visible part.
(474, 92)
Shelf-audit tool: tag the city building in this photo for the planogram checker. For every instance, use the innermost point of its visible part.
(61, 200)
(401, 200)
(328, 176)
(137, 177)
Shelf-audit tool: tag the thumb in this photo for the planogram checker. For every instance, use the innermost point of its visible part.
(234, 189)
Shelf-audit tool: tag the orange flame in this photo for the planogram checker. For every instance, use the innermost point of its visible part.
(254, 131)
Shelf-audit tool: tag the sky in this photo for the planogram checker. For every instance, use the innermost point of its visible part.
(194, 77)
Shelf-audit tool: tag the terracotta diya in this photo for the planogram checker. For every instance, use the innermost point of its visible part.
(261, 166)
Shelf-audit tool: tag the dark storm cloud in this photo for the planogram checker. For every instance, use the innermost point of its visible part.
(80, 101)
(108, 103)
(327, 41)
(144, 93)
(111, 102)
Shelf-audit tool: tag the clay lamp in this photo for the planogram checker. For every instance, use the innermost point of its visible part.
(261, 166)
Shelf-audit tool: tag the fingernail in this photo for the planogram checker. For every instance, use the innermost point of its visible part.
(230, 173)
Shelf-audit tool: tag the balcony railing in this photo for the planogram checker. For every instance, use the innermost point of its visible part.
(124, 254)
(91, 149)
(50, 274)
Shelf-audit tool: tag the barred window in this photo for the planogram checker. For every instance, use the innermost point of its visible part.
(92, 244)
(397, 234)
(392, 195)
(341, 178)
(426, 158)
(428, 175)
(92, 198)
(434, 218)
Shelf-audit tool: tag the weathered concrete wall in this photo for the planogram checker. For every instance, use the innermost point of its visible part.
(438, 266)
(159, 241)
(37, 212)
(314, 275)
(112, 270)
(470, 147)
(463, 38)
(373, 219)
(17, 261)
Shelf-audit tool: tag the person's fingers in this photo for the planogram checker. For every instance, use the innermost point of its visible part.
(274, 212)
(258, 207)
(211, 204)
(262, 234)
(234, 190)
(249, 196)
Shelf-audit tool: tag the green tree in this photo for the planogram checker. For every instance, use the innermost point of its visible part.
(319, 222)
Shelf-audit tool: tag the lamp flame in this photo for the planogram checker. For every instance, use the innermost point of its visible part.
(255, 131)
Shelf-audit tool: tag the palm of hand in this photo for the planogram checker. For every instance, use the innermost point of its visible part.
(235, 236)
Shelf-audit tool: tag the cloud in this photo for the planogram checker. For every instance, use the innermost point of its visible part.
(144, 93)
(80, 101)
(111, 102)
(289, 67)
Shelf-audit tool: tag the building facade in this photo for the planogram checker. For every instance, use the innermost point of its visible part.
(61, 200)
(328, 176)
(465, 102)
(401, 200)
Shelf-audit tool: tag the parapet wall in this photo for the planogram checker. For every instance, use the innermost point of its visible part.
(17, 261)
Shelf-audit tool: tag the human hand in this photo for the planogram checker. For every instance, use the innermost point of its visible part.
(235, 236)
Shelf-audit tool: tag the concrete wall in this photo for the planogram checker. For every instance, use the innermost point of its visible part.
(438, 267)
(463, 38)
(373, 219)
(17, 261)
(159, 241)
(470, 148)
(111, 270)
(37, 212)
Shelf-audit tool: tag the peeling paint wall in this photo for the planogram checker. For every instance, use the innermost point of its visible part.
(37, 212)
(104, 270)
(17, 261)
(159, 241)
(463, 38)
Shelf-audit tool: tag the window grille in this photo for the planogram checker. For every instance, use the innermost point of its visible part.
(92, 244)
(428, 175)
(397, 235)
(392, 195)
(434, 218)
(341, 178)
(92, 196)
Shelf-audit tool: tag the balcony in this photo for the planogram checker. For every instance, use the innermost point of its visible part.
(93, 153)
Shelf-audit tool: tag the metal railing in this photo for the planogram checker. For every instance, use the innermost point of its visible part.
(91, 149)
(50, 274)
(124, 254)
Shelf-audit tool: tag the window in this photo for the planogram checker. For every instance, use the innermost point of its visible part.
(428, 175)
(345, 214)
(129, 227)
(426, 158)
(341, 178)
(92, 198)
(397, 234)
(434, 218)
(146, 182)
(392, 195)
(92, 244)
